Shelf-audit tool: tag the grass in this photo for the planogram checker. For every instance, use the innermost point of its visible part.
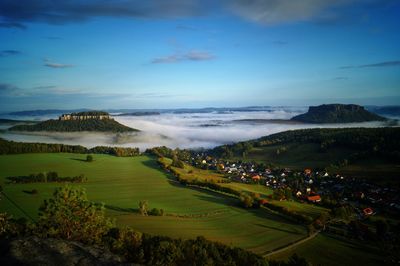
(308, 209)
(327, 250)
(122, 182)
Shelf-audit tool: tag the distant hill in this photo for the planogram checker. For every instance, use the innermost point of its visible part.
(84, 121)
(385, 110)
(139, 114)
(12, 121)
(337, 113)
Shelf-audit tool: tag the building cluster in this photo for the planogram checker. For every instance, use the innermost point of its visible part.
(312, 186)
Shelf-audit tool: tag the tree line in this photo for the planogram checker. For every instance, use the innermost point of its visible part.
(46, 178)
(12, 147)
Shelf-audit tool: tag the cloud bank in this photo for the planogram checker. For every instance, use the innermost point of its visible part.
(186, 130)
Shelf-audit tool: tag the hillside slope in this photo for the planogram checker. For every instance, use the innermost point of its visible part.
(105, 125)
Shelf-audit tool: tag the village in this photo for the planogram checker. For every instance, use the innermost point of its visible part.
(309, 186)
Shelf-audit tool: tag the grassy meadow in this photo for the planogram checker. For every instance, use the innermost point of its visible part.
(330, 251)
(122, 182)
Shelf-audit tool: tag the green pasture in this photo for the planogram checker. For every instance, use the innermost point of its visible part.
(328, 250)
(122, 182)
(304, 208)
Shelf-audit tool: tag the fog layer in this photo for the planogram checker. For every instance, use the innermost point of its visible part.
(194, 130)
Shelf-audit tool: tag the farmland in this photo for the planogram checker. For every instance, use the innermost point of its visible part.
(122, 182)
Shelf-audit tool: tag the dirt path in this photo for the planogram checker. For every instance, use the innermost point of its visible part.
(301, 241)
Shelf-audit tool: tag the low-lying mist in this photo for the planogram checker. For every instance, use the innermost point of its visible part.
(195, 130)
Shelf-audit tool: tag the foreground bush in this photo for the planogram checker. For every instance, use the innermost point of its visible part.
(69, 215)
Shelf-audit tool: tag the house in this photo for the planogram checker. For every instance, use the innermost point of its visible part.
(368, 211)
(314, 198)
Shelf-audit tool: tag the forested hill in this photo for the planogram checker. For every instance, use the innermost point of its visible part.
(337, 113)
(383, 142)
(99, 125)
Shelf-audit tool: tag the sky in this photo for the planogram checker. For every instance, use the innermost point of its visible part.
(197, 53)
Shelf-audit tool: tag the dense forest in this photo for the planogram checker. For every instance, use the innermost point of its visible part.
(12, 147)
(382, 142)
(101, 125)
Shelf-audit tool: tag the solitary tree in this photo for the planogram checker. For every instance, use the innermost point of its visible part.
(70, 215)
(143, 205)
(89, 158)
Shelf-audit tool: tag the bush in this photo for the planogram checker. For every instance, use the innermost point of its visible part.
(69, 215)
(177, 163)
(89, 158)
(246, 200)
(156, 212)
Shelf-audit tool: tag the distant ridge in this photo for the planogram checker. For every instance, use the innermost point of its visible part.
(337, 113)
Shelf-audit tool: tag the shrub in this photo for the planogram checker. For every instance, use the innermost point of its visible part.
(177, 163)
(156, 212)
(89, 158)
(69, 215)
(246, 200)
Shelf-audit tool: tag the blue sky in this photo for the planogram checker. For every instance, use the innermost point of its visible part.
(192, 53)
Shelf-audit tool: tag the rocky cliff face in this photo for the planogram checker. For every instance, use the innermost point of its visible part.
(337, 113)
(37, 251)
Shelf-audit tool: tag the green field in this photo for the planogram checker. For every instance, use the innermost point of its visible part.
(191, 173)
(303, 208)
(122, 182)
(327, 250)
